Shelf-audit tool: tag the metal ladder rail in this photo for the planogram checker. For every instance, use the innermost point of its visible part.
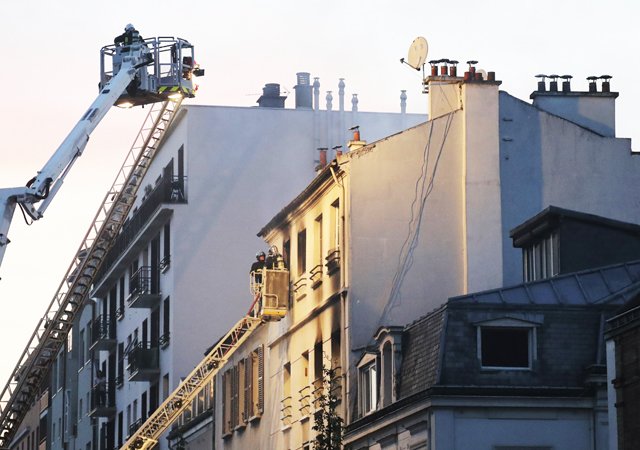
(52, 329)
(180, 399)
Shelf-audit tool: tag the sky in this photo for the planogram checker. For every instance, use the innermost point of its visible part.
(50, 72)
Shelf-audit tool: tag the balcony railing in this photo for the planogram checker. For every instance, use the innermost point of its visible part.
(164, 340)
(333, 261)
(103, 333)
(305, 401)
(103, 402)
(144, 290)
(285, 411)
(316, 276)
(134, 426)
(168, 190)
(143, 363)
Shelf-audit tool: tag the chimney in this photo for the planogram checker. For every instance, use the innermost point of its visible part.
(590, 109)
(322, 159)
(354, 103)
(341, 94)
(316, 93)
(403, 101)
(356, 143)
(271, 97)
(303, 91)
(542, 85)
(329, 99)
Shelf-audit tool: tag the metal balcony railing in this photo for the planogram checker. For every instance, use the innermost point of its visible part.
(103, 333)
(143, 362)
(305, 401)
(285, 411)
(144, 289)
(103, 402)
(169, 190)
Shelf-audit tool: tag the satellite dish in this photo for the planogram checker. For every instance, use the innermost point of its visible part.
(418, 53)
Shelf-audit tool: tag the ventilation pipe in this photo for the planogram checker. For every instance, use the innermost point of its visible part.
(303, 91)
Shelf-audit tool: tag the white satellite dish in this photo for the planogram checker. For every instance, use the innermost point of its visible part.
(418, 53)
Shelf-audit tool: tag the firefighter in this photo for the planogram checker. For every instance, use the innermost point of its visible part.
(129, 36)
(257, 267)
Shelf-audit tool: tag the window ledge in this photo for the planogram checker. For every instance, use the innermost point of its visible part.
(285, 428)
(254, 418)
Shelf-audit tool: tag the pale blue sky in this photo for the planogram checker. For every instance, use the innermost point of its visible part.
(50, 73)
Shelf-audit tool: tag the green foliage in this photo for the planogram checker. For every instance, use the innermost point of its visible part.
(328, 424)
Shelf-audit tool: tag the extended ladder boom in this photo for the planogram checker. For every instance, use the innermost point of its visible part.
(48, 181)
(148, 434)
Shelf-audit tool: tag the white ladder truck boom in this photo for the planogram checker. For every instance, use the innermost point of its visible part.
(147, 71)
(271, 290)
(155, 71)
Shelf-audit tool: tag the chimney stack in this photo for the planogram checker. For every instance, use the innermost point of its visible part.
(303, 90)
(322, 159)
(566, 83)
(271, 97)
(553, 85)
(356, 143)
(606, 87)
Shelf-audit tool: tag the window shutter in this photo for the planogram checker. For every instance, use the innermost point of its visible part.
(225, 410)
(248, 394)
(261, 379)
(234, 398)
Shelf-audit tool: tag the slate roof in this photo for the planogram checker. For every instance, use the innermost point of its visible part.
(614, 284)
(439, 349)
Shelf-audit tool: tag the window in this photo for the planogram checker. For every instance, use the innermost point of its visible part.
(120, 311)
(542, 259)
(166, 248)
(317, 242)
(387, 374)
(507, 344)
(302, 252)
(286, 253)
(242, 391)
(166, 321)
(368, 388)
(334, 237)
(80, 410)
(81, 346)
(505, 347)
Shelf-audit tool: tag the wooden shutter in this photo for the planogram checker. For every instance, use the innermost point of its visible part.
(261, 379)
(248, 392)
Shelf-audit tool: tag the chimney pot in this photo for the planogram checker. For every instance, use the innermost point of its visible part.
(491, 76)
(477, 76)
(434, 67)
(606, 86)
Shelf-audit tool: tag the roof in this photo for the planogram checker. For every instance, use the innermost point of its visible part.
(549, 218)
(615, 284)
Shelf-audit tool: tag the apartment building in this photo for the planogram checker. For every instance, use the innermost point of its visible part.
(177, 275)
(423, 216)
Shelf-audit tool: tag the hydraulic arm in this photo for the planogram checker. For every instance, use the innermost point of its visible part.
(48, 181)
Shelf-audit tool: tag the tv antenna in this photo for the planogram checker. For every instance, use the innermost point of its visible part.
(417, 53)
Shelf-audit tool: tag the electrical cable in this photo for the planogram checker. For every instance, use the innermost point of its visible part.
(423, 190)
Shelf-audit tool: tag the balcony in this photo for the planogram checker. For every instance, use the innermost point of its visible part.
(144, 290)
(285, 411)
(142, 225)
(134, 427)
(103, 401)
(143, 363)
(333, 261)
(305, 401)
(103, 333)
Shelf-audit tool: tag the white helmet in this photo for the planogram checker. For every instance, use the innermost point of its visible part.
(129, 27)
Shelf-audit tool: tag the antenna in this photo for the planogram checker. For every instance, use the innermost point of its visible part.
(417, 53)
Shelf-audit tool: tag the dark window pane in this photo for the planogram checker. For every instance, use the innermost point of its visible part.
(505, 347)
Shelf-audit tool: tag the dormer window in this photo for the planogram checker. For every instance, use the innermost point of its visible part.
(541, 259)
(368, 383)
(507, 343)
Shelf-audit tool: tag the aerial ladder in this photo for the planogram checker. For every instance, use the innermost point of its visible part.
(155, 71)
(271, 300)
